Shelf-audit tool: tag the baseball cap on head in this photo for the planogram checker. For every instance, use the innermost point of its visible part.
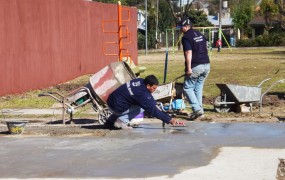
(183, 22)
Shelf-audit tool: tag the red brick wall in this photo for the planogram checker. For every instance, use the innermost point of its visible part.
(47, 42)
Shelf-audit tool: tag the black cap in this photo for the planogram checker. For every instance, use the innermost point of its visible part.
(183, 22)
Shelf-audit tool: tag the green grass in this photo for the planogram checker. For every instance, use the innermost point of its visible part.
(243, 66)
(239, 66)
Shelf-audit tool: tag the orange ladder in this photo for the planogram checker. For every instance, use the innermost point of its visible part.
(123, 33)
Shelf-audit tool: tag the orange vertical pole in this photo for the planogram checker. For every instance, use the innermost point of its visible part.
(120, 31)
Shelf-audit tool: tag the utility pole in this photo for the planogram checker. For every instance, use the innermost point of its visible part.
(181, 8)
(156, 26)
(145, 27)
(220, 20)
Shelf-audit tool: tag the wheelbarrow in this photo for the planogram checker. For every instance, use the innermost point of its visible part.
(232, 96)
(170, 96)
(96, 92)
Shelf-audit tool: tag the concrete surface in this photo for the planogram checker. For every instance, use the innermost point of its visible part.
(31, 111)
(198, 151)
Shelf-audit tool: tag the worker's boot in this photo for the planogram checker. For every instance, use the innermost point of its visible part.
(122, 124)
(196, 115)
(111, 126)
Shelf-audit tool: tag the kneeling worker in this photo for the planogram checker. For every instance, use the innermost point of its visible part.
(132, 98)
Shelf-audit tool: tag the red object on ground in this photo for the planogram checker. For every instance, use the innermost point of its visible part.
(181, 123)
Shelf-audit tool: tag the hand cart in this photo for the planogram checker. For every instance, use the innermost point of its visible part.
(170, 96)
(96, 92)
(232, 96)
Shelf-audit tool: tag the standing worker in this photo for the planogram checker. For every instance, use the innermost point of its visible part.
(131, 99)
(197, 66)
(219, 44)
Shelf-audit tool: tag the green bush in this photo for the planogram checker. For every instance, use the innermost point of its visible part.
(244, 43)
(141, 41)
(151, 40)
(273, 39)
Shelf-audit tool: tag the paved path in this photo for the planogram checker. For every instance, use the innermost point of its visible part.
(198, 151)
(31, 111)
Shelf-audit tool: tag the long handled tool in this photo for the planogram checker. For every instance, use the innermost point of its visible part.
(172, 96)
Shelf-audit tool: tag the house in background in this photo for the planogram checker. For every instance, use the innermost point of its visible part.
(258, 22)
(141, 21)
(227, 25)
(258, 25)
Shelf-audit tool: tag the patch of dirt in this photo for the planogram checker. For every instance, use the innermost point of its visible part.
(77, 127)
(280, 175)
(61, 130)
(273, 110)
(272, 99)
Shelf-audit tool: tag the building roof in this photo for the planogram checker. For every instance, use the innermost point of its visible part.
(260, 21)
(257, 20)
(225, 22)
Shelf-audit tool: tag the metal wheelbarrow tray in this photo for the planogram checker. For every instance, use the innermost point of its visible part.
(96, 92)
(232, 96)
(170, 96)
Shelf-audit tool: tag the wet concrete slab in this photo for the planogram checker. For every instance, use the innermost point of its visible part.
(144, 152)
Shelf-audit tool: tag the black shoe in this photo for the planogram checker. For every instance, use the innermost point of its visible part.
(196, 115)
(110, 126)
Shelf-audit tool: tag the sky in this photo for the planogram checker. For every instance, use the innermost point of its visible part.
(184, 2)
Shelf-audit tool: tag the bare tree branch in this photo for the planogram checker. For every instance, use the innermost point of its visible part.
(172, 10)
(188, 6)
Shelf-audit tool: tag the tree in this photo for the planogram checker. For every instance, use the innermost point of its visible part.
(169, 14)
(136, 3)
(198, 18)
(174, 9)
(281, 8)
(214, 6)
(243, 12)
(269, 9)
(166, 19)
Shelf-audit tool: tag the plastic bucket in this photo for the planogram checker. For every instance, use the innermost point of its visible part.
(178, 104)
(16, 127)
(232, 41)
(104, 82)
(138, 118)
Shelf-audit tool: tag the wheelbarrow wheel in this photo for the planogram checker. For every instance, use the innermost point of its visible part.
(103, 115)
(223, 108)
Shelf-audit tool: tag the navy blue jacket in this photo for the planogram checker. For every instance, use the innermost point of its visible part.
(199, 47)
(135, 92)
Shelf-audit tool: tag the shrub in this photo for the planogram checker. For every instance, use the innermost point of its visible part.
(244, 43)
(141, 41)
(273, 39)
